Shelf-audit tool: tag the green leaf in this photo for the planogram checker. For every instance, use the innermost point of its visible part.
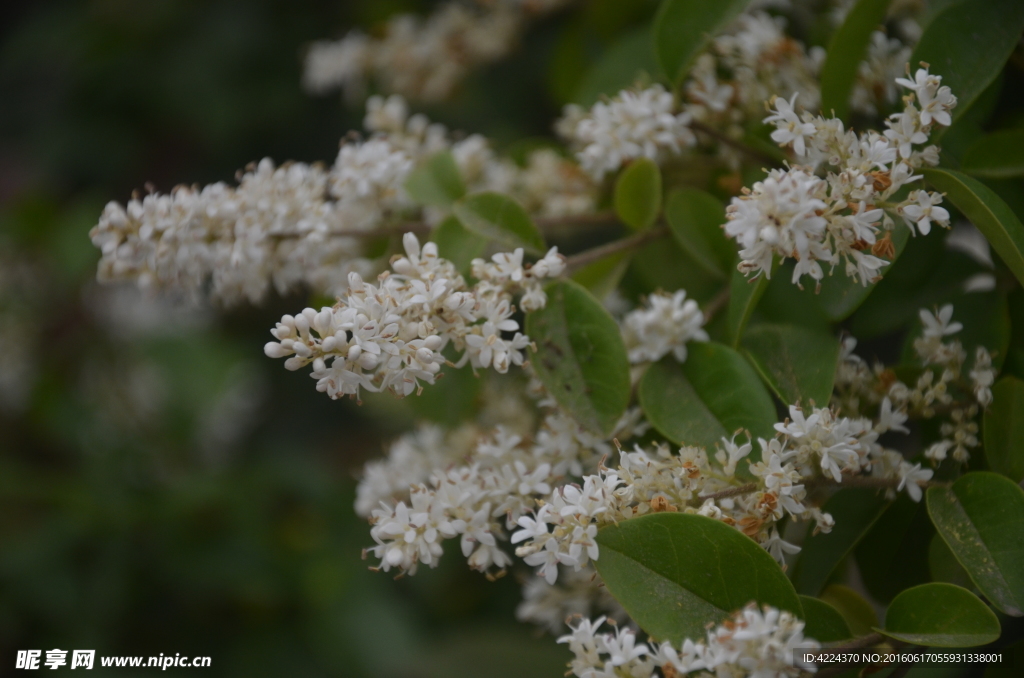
(676, 573)
(997, 155)
(458, 245)
(798, 363)
(893, 555)
(943, 564)
(580, 357)
(981, 519)
(744, 294)
(824, 623)
(987, 211)
(857, 612)
(709, 397)
(620, 66)
(940, 615)
(967, 44)
(855, 510)
(695, 218)
(682, 28)
(498, 217)
(638, 194)
(846, 50)
(1004, 428)
(437, 182)
(603, 276)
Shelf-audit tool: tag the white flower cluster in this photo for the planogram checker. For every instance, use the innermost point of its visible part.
(752, 61)
(477, 500)
(635, 124)
(422, 58)
(753, 642)
(941, 385)
(794, 213)
(664, 325)
(819, 447)
(389, 337)
(303, 225)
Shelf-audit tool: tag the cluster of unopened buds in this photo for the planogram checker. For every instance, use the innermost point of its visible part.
(795, 213)
(752, 642)
(390, 336)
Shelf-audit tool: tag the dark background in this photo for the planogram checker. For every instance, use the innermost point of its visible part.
(164, 488)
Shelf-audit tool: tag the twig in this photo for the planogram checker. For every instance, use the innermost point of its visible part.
(716, 304)
(416, 227)
(731, 492)
(738, 145)
(586, 257)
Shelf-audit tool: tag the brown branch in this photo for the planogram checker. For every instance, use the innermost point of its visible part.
(750, 151)
(716, 304)
(587, 257)
(723, 494)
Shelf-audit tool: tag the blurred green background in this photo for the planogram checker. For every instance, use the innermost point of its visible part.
(164, 488)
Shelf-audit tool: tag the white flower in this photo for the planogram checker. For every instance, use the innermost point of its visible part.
(926, 211)
(790, 130)
(912, 477)
(937, 324)
(664, 325)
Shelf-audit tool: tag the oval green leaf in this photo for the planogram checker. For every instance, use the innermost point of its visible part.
(986, 210)
(437, 182)
(845, 52)
(940, 615)
(682, 28)
(744, 294)
(638, 194)
(709, 397)
(823, 622)
(943, 564)
(676, 573)
(498, 217)
(580, 357)
(458, 245)
(967, 43)
(858, 612)
(798, 363)
(1004, 428)
(695, 218)
(997, 156)
(855, 511)
(603, 276)
(981, 519)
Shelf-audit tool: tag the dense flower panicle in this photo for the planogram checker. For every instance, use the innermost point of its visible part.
(814, 445)
(390, 336)
(664, 325)
(424, 59)
(477, 497)
(635, 124)
(753, 642)
(940, 385)
(307, 226)
(794, 213)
